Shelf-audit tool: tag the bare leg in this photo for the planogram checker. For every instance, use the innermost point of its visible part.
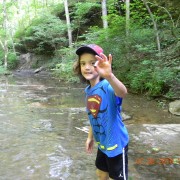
(102, 175)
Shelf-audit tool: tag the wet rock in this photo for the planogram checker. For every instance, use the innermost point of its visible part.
(174, 107)
(38, 70)
(43, 125)
(25, 61)
(37, 105)
(125, 116)
(77, 110)
(155, 138)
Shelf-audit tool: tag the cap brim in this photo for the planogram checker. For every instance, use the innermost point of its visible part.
(84, 49)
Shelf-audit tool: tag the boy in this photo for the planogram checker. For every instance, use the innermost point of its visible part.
(104, 98)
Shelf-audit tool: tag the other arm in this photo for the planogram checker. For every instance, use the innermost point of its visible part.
(90, 141)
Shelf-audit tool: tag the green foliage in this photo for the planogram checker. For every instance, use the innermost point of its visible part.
(135, 58)
(45, 34)
(2, 70)
(64, 72)
(139, 14)
(149, 76)
(58, 8)
(141, 35)
(12, 60)
(1, 57)
(85, 15)
(64, 68)
(144, 76)
(81, 9)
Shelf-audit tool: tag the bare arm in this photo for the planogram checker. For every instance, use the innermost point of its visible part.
(90, 141)
(118, 86)
(103, 67)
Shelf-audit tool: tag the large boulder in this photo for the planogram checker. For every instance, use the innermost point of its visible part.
(174, 107)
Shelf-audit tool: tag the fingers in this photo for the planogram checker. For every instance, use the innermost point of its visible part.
(110, 58)
(89, 150)
(103, 58)
(89, 146)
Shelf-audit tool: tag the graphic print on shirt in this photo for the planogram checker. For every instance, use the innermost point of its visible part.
(94, 105)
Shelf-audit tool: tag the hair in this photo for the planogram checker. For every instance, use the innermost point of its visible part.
(77, 71)
(77, 67)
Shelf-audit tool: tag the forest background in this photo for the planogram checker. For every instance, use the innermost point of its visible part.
(143, 37)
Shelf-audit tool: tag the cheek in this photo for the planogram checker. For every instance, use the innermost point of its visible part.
(81, 68)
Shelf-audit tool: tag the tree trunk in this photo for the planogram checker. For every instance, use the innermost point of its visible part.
(104, 14)
(12, 40)
(35, 7)
(68, 22)
(155, 26)
(127, 16)
(5, 46)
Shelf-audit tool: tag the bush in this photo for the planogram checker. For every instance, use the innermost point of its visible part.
(64, 71)
(2, 70)
(12, 60)
(64, 68)
(45, 34)
(150, 77)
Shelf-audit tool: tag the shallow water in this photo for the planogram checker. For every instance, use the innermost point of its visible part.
(38, 135)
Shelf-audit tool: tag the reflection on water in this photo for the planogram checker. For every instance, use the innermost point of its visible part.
(38, 138)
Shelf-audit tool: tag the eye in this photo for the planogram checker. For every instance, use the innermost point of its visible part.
(93, 63)
(82, 63)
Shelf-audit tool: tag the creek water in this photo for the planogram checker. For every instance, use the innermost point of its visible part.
(39, 138)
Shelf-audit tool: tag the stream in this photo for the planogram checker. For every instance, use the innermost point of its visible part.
(42, 137)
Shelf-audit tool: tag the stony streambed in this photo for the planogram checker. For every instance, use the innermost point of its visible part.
(41, 133)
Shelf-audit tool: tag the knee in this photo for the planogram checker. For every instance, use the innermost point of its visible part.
(102, 175)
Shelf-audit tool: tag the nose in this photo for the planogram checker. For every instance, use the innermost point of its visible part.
(87, 66)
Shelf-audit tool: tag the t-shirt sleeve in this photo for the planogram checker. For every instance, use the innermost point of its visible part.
(116, 100)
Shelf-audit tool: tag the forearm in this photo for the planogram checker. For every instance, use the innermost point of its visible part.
(90, 142)
(90, 134)
(119, 88)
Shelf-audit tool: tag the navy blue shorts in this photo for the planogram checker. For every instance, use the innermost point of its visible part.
(117, 166)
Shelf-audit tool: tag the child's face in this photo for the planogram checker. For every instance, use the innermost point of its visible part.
(87, 62)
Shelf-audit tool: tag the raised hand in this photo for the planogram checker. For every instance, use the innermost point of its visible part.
(103, 65)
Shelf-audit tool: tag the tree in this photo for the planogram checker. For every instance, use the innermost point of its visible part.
(4, 44)
(68, 22)
(154, 25)
(104, 13)
(127, 16)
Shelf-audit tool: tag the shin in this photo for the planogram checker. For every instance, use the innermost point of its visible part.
(102, 175)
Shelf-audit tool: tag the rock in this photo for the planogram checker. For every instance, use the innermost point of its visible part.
(25, 61)
(125, 116)
(38, 70)
(174, 107)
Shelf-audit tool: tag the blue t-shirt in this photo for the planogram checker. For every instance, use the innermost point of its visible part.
(103, 108)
